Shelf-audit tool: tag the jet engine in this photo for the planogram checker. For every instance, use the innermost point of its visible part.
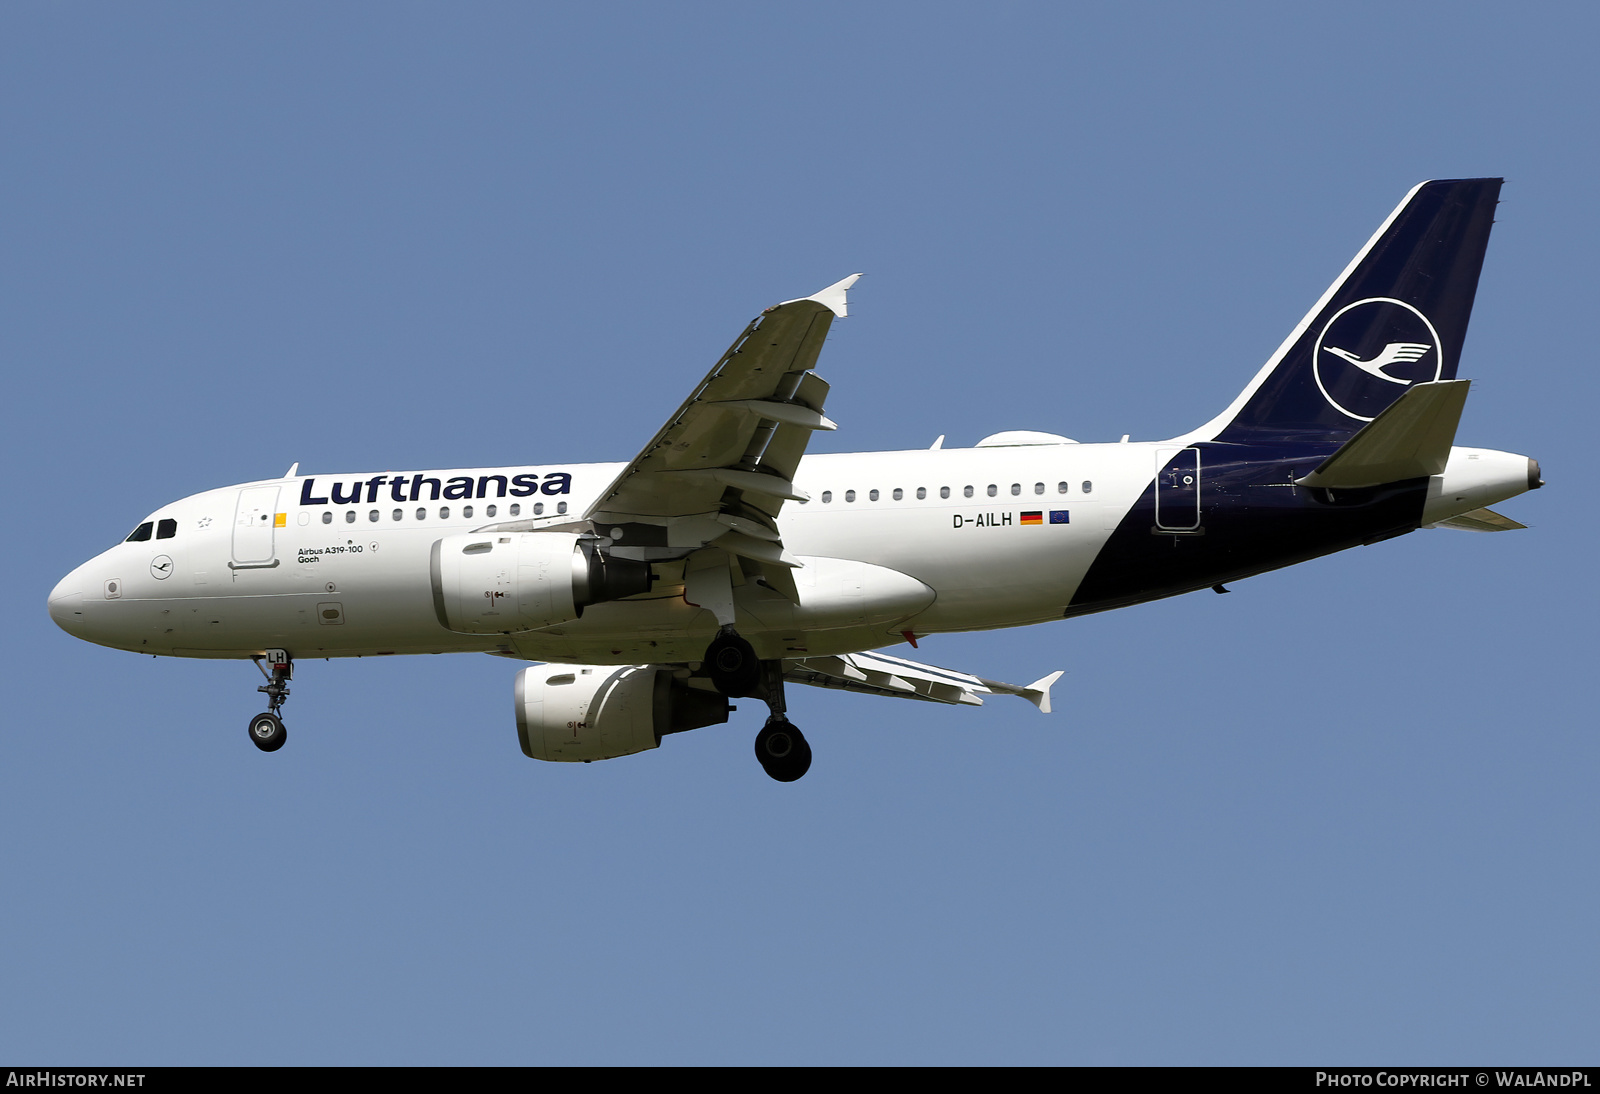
(499, 583)
(598, 712)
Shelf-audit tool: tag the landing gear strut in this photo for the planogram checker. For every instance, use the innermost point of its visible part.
(780, 747)
(266, 730)
(732, 664)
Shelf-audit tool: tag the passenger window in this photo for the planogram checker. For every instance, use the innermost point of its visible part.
(993, 490)
(398, 514)
(488, 510)
(849, 495)
(422, 514)
(1038, 488)
(922, 492)
(327, 516)
(140, 534)
(466, 512)
(966, 491)
(872, 496)
(1061, 488)
(1016, 488)
(516, 509)
(944, 491)
(1088, 487)
(538, 508)
(350, 516)
(444, 512)
(166, 529)
(898, 493)
(561, 507)
(373, 515)
(827, 496)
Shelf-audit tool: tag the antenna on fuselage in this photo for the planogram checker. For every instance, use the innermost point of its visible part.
(294, 469)
(938, 444)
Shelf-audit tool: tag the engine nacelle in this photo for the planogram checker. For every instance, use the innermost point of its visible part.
(500, 583)
(598, 712)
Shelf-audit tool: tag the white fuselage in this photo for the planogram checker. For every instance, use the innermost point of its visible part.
(889, 543)
(250, 567)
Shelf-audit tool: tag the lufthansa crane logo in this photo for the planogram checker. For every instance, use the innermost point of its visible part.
(1371, 351)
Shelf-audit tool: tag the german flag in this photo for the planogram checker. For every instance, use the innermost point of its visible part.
(1035, 517)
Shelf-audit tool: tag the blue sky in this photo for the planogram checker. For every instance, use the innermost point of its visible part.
(1343, 815)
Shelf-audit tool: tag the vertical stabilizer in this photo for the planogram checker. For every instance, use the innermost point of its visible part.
(1396, 317)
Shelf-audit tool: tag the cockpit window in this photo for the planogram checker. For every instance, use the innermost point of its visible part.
(166, 529)
(141, 533)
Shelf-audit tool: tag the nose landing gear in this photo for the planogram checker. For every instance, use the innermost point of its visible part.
(266, 730)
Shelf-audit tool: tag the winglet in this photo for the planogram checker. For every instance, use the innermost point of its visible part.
(1038, 692)
(833, 297)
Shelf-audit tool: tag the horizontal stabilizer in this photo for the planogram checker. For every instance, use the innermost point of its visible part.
(1409, 440)
(1480, 520)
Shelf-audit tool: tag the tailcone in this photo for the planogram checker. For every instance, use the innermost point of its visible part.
(1478, 477)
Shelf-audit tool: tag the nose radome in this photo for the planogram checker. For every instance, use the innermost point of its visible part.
(66, 602)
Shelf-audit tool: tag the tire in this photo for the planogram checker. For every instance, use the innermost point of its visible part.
(732, 664)
(783, 751)
(267, 732)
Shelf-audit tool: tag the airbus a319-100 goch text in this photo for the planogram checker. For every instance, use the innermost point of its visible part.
(721, 561)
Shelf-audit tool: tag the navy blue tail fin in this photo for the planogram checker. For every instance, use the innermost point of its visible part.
(1397, 316)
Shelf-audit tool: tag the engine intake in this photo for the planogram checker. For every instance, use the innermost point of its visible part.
(500, 583)
(599, 712)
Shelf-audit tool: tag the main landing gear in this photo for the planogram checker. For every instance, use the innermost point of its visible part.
(781, 749)
(266, 730)
(736, 671)
(732, 664)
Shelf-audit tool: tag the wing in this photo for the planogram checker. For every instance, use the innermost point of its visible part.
(881, 674)
(719, 471)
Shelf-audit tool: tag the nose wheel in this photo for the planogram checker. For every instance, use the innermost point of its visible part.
(266, 730)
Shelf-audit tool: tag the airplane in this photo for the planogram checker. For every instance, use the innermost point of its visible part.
(723, 562)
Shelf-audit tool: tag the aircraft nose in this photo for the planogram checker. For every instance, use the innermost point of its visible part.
(66, 602)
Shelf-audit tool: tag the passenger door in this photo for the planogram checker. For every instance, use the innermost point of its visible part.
(1178, 490)
(253, 526)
